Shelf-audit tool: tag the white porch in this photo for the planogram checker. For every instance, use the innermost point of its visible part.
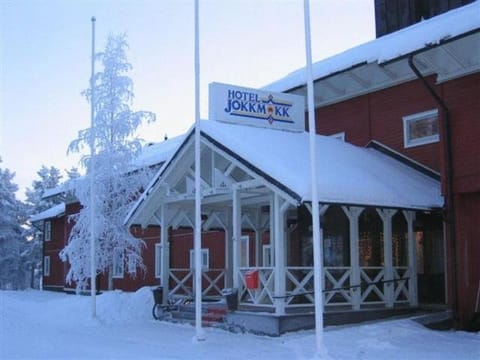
(256, 218)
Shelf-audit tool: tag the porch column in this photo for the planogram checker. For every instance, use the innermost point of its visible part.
(228, 250)
(356, 292)
(279, 209)
(258, 240)
(412, 259)
(388, 286)
(272, 231)
(237, 233)
(165, 252)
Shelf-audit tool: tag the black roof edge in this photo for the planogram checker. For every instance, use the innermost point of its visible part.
(253, 168)
(327, 76)
(430, 46)
(376, 206)
(413, 53)
(403, 159)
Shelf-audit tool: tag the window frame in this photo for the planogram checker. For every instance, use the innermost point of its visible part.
(205, 256)
(408, 142)
(267, 255)
(158, 260)
(46, 265)
(47, 230)
(115, 265)
(245, 251)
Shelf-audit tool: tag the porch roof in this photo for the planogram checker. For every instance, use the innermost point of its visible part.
(347, 174)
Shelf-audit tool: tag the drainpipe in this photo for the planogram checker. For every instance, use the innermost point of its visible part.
(449, 207)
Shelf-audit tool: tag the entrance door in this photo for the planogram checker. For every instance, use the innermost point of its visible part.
(430, 259)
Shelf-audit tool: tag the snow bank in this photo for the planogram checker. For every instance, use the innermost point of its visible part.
(47, 325)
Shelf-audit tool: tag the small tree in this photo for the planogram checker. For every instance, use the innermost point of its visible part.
(13, 273)
(117, 182)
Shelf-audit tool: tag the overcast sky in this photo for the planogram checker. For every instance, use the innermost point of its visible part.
(45, 49)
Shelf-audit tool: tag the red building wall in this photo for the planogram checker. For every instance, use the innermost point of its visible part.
(378, 116)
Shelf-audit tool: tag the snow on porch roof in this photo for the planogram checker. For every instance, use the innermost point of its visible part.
(53, 212)
(347, 174)
(390, 47)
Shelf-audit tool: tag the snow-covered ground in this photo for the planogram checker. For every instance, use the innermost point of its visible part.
(35, 324)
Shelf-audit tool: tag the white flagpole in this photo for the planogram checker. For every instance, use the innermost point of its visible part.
(198, 206)
(317, 246)
(93, 272)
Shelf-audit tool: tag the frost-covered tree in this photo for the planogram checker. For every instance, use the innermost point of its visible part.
(13, 272)
(48, 178)
(116, 182)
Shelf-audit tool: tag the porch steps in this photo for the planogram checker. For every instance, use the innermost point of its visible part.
(212, 315)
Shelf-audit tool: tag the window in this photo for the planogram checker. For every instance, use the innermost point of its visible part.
(118, 263)
(205, 259)
(421, 128)
(267, 255)
(46, 266)
(244, 251)
(158, 261)
(132, 268)
(47, 230)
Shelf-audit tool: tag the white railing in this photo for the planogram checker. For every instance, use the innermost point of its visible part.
(337, 286)
(401, 286)
(371, 279)
(213, 281)
(299, 285)
(261, 296)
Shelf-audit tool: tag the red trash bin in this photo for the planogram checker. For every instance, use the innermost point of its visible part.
(251, 279)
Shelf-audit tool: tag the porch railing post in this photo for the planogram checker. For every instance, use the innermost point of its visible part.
(353, 214)
(412, 259)
(237, 232)
(279, 236)
(388, 286)
(165, 252)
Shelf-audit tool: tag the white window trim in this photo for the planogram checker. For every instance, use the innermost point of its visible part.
(267, 255)
(47, 228)
(132, 268)
(158, 261)
(46, 266)
(407, 142)
(339, 136)
(115, 274)
(245, 242)
(205, 255)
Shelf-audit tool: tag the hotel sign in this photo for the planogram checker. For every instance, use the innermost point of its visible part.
(253, 107)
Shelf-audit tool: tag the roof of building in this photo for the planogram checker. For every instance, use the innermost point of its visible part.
(151, 155)
(53, 212)
(396, 45)
(347, 174)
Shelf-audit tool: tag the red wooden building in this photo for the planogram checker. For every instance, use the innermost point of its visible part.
(417, 92)
(412, 99)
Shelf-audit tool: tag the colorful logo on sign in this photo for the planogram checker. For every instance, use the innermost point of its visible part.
(251, 105)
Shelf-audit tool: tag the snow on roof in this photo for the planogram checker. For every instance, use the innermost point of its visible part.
(54, 211)
(391, 46)
(152, 154)
(158, 152)
(347, 174)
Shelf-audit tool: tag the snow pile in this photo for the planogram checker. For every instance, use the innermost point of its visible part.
(117, 307)
(47, 325)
